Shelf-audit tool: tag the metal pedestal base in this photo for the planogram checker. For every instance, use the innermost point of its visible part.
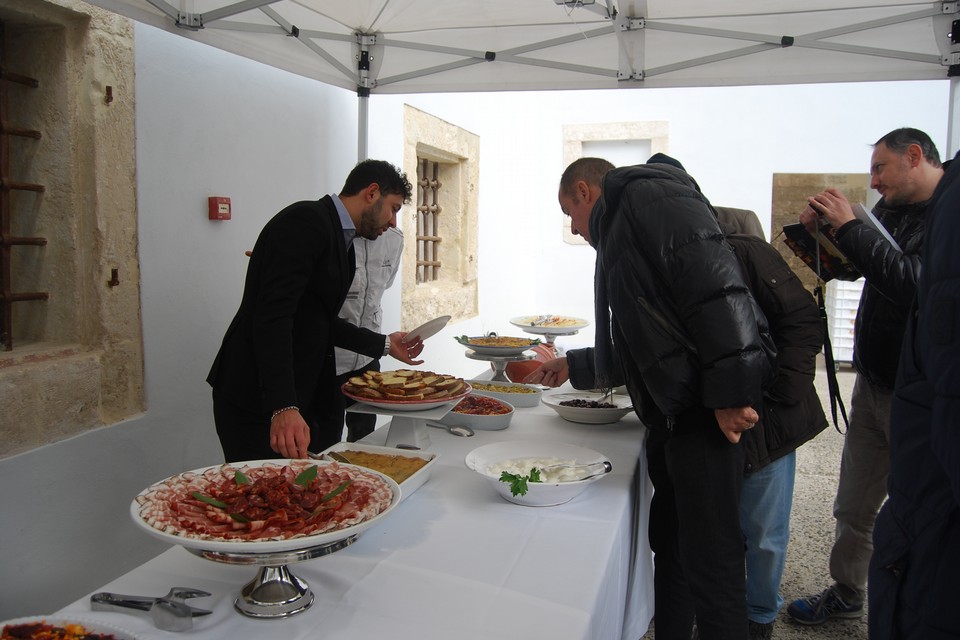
(499, 363)
(275, 592)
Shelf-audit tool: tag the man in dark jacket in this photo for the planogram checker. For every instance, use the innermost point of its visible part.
(916, 560)
(274, 378)
(695, 351)
(904, 169)
(792, 415)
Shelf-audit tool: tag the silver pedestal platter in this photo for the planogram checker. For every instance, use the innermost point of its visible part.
(275, 592)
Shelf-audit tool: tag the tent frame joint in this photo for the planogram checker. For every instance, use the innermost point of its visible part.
(190, 21)
(950, 7)
(633, 75)
(632, 24)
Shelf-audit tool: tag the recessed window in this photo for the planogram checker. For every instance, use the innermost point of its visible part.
(428, 220)
(440, 254)
(18, 196)
(622, 143)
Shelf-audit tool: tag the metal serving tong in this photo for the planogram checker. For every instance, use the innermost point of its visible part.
(607, 467)
(169, 612)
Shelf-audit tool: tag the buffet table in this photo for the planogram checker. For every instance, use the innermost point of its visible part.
(454, 559)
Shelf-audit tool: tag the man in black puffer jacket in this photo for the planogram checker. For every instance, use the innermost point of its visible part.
(905, 169)
(695, 352)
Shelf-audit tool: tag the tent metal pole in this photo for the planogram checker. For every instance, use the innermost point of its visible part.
(363, 125)
(953, 119)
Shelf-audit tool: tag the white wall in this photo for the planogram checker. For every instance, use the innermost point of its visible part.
(732, 140)
(209, 123)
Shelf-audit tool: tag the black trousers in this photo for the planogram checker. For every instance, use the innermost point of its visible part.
(359, 425)
(695, 530)
(245, 434)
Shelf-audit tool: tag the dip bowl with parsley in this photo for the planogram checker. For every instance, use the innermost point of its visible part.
(503, 466)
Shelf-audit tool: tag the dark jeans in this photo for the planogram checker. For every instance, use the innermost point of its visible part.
(359, 425)
(695, 530)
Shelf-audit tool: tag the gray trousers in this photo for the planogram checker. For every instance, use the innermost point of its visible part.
(863, 486)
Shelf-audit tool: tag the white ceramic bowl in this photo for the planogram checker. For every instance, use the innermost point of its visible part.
(539, 494)
(481, 422)
(518, 400)
(586, 415)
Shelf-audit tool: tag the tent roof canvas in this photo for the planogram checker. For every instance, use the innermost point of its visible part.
(416, 46)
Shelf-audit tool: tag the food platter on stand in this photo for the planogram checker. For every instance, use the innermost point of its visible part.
(550, 326)
(498, 351)
(408, 423)
(275, 592)
(494, 345)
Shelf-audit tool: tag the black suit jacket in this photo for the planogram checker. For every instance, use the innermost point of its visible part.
(278, 350)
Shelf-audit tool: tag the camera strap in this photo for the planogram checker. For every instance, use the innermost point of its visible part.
(833, 386)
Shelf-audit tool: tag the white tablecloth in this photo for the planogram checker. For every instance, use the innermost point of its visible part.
(454, 559)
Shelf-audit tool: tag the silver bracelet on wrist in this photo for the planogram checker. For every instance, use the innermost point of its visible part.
(279, 411)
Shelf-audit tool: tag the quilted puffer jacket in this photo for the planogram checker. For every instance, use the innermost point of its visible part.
(891, 285)
(686, 328)
(792, 412)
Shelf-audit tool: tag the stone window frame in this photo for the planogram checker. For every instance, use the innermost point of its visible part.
(574, 135)
(457, 152)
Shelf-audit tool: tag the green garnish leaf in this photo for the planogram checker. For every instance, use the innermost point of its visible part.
(238, 517)
(306, 476)
(240, 478)
(518, 483)
(333, 494)
(211, 501)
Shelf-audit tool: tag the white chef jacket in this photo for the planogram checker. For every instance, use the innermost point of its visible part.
(377, 264)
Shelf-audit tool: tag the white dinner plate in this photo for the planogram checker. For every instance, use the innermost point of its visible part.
(549, 324)
(92, 626)
(585, 415)
(258, 546)
(427, 329)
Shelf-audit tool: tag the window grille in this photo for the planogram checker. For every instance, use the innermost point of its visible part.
(8, 187)
(428, 220)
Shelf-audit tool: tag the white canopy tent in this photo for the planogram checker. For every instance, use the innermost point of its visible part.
(426, 46)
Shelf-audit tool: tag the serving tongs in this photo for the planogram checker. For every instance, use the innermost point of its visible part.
(169, 612)
(607, 467)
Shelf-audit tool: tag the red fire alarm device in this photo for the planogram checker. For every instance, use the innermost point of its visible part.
(219, 208)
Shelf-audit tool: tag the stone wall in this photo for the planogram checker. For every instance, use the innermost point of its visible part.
(77, 360)
(790, 192)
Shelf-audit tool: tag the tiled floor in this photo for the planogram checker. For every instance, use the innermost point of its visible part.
(812, 526)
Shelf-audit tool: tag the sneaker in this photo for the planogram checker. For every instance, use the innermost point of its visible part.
(760, 630)
(817, 609)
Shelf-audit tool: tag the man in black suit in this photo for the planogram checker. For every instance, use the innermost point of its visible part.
(274, 379)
